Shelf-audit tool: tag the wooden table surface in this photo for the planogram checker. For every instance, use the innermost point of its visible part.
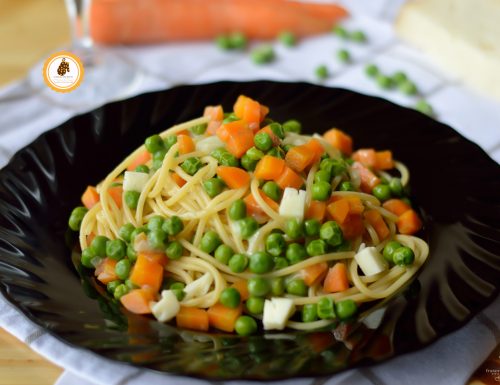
(29, 31)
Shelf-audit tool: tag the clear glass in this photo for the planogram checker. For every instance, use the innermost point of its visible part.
(107, 75)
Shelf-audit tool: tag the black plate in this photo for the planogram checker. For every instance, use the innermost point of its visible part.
(455, 184)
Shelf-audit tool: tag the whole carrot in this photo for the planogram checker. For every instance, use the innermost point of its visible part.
(139, 22)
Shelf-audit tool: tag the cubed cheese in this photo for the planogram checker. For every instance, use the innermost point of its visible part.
(135, 181)
(167, 307)
(207, 145)
(370, 261)
(277, 311)
(293, 203)
(199, 287)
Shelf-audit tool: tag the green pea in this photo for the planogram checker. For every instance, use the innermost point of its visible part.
(358, 36)
(389, 250)
(311, 227)
(346, 186)
(131, 254)
(272, 190)
(130, 284)
(257, 286)
(122, 269)
(98, 245)
(120, 291)
(277, 152)
(169, 141)
(154, 143)
(280, 263)
(116, 249)
(157, 239)
(326, 308)
(372, 70)
(403, 256)
(87, 257)
(213, 187)
(275, 244)
(316, 247)
(261, 263)
(247, 163)
(334, 166)
(287, 147)
(158, 157)
(178, 290)
(384, 81)
(287, 38)
(173, 225)
(210, 241)
(292, 125)
(424, 107)
(142, 168)
(408, 88)
(223, 254)
(191, 165)
(277, 130)
(228, 159)
(174, 250)
(407, 201)
(217, 153)
(132, 199)
(254, 153)
(136, 232)
(230, 297)
(277, 286)
(340, 32)
(396, 187)
(343, 55)
(309, 312)
(322, 176)
(228, 118)
(238, 40)
(294, 229)
(248, 226)
(321, 191)
(263, 141)
(295, 253)
(237, 210)
(346, 309)
(76, 217)
(321, 72)
(111, 286)
(155, 223)
(297, 287)
(382, 192)
(263, 54)
(399, 78)
(223, 42)
(255, 305)
(331, 233)
(344, 246)
(199, 129)
(245, 326)
(238, 263)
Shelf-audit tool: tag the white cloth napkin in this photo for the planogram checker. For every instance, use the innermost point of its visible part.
(24, 115)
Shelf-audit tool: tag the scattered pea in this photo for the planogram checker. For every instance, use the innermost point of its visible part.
(237, 210)
(358, 36)
(275, 244)
(238, 40)
(191, 165)
(154, 143)
(372, 70)
(424, 107)
(173, 225)
(408, 88)
(120, 291)
(210, 241)
(248, 163)
(292, 125)
(311, 227)
(155, 223)
(382, 192)
(346, 309)
(254, 153)
(340, 32)
(263, 141)
(287, 38)
(321, 72)
(199, 129)
(295, 253)
(384, 81)
(255, 305)
(321, 191)
(122, 269)
(76, 217)
(248, 226)
(331, 233)
(174, 250)
(272, 190)
(399, 78)
(297, 287)
(157, 239)
(223, 254)
(169, 141)
(132, 199)
(263, 54)
(280, 263)
(389, 250)
(142, 168)
(230, 297)
(309, 312)
(245, 326)
(261, 263)
(396, 187)
(126, 231)
(344, 56)
(213, 187)
(322, 176)
(257, 286)
(238, 263)
(316, 247)
(403, 256)
(98, 246)
(326, 308)
(293, 229)
(87, 257)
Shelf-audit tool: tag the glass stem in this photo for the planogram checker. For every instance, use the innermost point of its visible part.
(79, 18)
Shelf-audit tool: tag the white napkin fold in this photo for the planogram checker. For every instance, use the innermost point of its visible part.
(452, 359)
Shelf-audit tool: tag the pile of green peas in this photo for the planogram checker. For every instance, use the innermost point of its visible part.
(388, 189)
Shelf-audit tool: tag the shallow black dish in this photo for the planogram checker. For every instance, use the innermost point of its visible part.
(455, 184)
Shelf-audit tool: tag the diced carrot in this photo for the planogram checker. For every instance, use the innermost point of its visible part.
(186, 144)
(375, 219)
(251, 113)
(366, 156)
(352, 227)
(155, 256)
(312, 274)
(234, 177)
(355, 205)
(177, 179)
(396, 206)
(105, 271)
(316, 210)
(339, 210)
(269, 168)
(237, 135)
(141, 158)
(316, 149)
(183, 132)
(268, 131)
(409, 222)
(264, 110)
(137, 301)
(90, 197)
(384, 160)
(299, 157)
(223, 132)
(368, 179)
(222, 317)
(242, 287)
(254, 209)
(340, 140)
(289, 178)
(192, 318)
(239, 106)
(214, 113)
(336, 279)
(147, 272)
(212, 127)
(116, 193)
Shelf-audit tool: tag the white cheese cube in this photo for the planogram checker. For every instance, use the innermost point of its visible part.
(135, 181)
(199, 287)
(370, 261)
(209, 144)
(293, 203)
(167, 307)
(277, 311)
